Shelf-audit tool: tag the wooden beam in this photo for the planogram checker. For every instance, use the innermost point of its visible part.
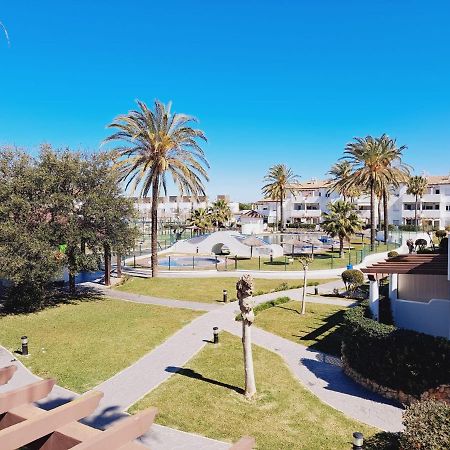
(26, 394)
(245, 443)
(6, 373)
(46, 422)
(118, 435)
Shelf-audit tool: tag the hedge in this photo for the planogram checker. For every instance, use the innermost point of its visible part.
(266, 305)
(392, 357)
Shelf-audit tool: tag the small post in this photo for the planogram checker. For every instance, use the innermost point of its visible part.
(140, 249)
(193, 262)
(169, 262)
(259, 262)
(226, 263)
(285, 262)
(225, 296)
(358, 441)
(316, 290)
(216, 262)
(216, 335)
(134, 261)
(24, 340)
(235, 262)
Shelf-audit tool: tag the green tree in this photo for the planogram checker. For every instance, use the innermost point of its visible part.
(201, 219)
(220, 213)
(154, 144)
(417, 186)
(341, 173)
(342, 221)
(279, 182)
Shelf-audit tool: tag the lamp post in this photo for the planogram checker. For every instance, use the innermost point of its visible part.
(358, 441)
(216, 335)
(225, 295)
(24, 340)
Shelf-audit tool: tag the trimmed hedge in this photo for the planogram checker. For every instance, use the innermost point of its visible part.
(352, 279)
(392, 254)
(396, 358)
(266, 305)
(427, 426)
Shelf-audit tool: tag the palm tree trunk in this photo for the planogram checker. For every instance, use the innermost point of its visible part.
(385, 216)
(281, 213)
(341, 247)
(415, 213)
(372, 215)
(154, 229)
(379, 213)
(119, 266)
(250, 384)
(107, 255)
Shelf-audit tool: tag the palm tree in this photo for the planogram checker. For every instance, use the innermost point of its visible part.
(342, 221)
(417, 186)
(155, 144)
(279, 181)
(201, 219)
(372, 171)
(220, 212)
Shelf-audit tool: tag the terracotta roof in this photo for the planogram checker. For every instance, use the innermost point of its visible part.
(311, 184)
(438, 179)
(431, 264)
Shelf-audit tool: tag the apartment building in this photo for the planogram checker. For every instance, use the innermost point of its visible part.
(177, 207)
(310, 200)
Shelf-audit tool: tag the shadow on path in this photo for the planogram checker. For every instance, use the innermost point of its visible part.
(198, 376)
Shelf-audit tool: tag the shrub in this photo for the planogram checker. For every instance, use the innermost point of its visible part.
(266, 305)
(392, 254)
(443, 245)
(352, 279)
(407, 227)
(424, 251)
(392, 357)
(427, 426)
(440, 234)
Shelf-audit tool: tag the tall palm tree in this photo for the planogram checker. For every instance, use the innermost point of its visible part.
(370, 171)
(417, 186)
(201, 219)
(155, 144)
(220, 212)
(340, 172)
(399, 173)
(279, 181)
(342, 221)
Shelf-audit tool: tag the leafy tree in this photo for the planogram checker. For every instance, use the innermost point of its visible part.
(220, 213)
(201, 219)
(279, 181)
(417, 186)
(244, 206)
(342, 221)
(341, 172)
(154, 144)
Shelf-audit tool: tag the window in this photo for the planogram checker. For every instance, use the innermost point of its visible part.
(437, 191)
(447, 207)
(299, 206)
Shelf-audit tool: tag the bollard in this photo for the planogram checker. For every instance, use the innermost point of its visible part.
(285, 263)
(226, 263)
(169, 262)
(216, 261)
(134, 261)
(225, 295)
(24, 340)
(193, 263)
(235, 262)
(316, 290)
(216, 335)
(358, 441)
(259, 262)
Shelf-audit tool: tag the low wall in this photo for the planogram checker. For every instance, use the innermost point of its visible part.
(431, 317)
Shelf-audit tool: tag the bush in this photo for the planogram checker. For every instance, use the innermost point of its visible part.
(407, 227)
(440, 234)
(266, 305)
(392, 254)
(427, 426)
(421, 243)
(443, 245)
(352, 279)
(392, 357)
(424, 251)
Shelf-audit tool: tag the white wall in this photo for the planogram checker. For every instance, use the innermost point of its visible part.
(422, 288)
(431, 317)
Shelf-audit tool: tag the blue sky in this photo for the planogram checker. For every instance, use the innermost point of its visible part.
(270, 81)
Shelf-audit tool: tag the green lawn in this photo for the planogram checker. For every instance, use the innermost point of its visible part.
(201, 289)
(206, 398)
(326, 260)
(85, 343)
(318, 328)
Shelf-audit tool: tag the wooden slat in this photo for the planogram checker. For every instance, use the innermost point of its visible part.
(45, 423)
(26, 394)
(245, 443)
(118, 435)
(6, 373)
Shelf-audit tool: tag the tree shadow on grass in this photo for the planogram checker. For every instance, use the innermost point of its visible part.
(198, 376)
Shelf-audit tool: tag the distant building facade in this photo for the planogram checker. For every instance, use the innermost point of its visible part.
(310, 201)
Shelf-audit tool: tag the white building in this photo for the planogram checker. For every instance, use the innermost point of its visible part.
(177, 208)
(310, 200)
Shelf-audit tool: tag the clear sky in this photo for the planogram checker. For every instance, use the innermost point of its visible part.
(270, 81)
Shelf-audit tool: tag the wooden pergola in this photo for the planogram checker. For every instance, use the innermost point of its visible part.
(26, 426)
(422, 264)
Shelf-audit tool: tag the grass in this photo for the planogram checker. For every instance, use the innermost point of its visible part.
(325, 260)
(319, 328)
(85, 343)
(206, 398)
(202, 289)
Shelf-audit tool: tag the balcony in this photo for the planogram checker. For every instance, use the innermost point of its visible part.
(309, 213)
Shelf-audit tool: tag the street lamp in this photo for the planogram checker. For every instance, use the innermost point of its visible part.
(358, 441)
(24, 340)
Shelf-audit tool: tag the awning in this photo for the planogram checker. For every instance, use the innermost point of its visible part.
(426, 264)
